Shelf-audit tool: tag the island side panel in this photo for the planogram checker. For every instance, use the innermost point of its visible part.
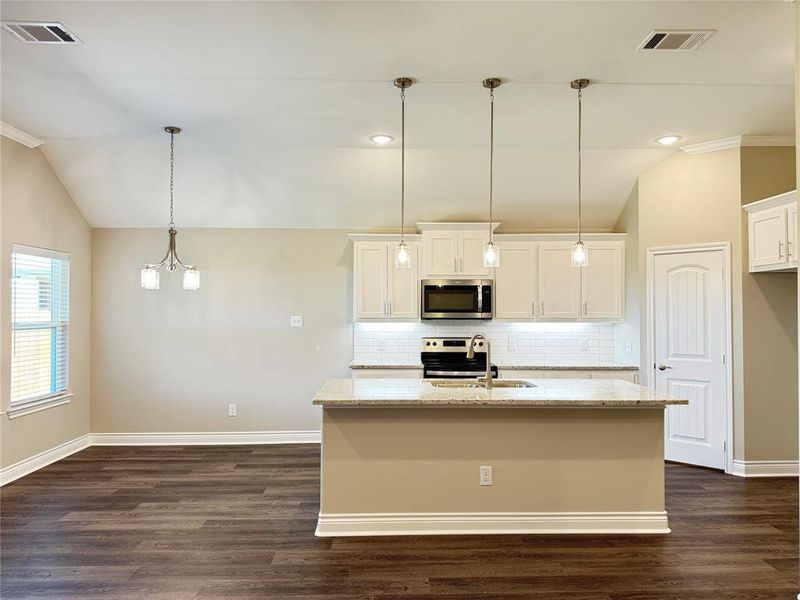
(408, 460)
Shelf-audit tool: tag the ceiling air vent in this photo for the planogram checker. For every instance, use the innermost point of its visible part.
(675, 39)
(40, 33)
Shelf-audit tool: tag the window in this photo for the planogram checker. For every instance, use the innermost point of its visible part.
(39, 324)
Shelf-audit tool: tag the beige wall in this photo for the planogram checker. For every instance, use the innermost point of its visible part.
(629, 330)
(172, 360)
(696, 199)
(36, 210)
(769, 320)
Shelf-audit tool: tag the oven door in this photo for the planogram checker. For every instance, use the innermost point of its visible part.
(456, 299)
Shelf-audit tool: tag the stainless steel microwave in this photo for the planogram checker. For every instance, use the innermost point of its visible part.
(457, 299)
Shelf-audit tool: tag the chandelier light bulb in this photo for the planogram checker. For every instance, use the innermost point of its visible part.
(580, 256)
(491, 256)
(191, 279)
(402, 258)
(150, 278)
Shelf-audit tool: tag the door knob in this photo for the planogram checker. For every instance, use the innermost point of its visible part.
(663, 367)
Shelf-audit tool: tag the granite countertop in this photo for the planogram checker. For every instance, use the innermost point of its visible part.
(544, 366)
(567, 393)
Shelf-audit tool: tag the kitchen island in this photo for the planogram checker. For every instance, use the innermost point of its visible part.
(403, 457)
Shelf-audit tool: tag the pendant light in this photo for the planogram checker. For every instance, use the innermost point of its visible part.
(580, 255)
(402, 258)
(151, 273)
(491, 253)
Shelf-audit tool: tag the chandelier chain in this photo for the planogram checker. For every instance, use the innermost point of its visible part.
(580, 170)
(491, 159)
(402, 164)
(171, 179)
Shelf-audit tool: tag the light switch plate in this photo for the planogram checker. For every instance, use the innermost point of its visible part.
(485, 476)
(296, 321)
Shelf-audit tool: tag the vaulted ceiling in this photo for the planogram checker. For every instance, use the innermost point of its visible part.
(278, 100)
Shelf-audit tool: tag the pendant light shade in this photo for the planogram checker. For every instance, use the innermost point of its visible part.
(150, 275)
(491, 253)
(402, 257)
(580, 255)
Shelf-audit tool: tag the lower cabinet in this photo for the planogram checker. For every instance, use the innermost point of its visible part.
(385, 373)
(631, 375)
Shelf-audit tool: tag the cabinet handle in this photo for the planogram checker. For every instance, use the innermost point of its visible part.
(789, 255)
(780, 250)
(533, 308)
(585, 308)
(385, 312)
(455, 265)
(461, 265)
(541, 314)
(390, 309)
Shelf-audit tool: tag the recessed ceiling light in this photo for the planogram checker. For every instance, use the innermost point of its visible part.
(381, 139)
(668, 140)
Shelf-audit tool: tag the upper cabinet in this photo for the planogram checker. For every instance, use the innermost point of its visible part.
(380, 290)
(536, 281)
(772, 233)
(559, 282)
(453, 250)
(603, 281)
(516, 277)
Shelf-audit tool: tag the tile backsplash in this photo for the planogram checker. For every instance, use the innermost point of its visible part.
(512, 343)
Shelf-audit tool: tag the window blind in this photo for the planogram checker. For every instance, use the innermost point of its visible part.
(39, 324)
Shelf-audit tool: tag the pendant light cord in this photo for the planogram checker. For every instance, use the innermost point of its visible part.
(580, 190)
(171, 179)
(491, 159)
(402, 164)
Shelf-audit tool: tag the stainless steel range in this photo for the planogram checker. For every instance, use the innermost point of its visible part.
(446, 358)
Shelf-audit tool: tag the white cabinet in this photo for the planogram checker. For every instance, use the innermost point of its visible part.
(380, 290)
(516, 283)
(631, 375)
(451, 253)
(559, 282)
(772, 233)
(603, 281)
(536, 280)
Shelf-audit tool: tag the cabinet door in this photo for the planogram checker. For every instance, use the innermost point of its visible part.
(370, 280)
(516, 282)
(559, 282)
(441, 252)
(791, 224)
(470, 260)
(403, 286)
(767, 233)
(603, 281)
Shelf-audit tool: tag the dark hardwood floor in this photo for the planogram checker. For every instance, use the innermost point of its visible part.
(238, 522)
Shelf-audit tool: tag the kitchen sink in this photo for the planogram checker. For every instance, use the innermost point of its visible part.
(479, 383)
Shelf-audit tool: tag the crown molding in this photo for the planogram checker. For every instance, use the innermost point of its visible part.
(20, 136)
(738, 141)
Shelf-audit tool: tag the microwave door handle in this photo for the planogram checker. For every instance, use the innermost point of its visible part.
(480, 298)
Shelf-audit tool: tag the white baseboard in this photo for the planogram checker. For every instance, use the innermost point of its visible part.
(36, 462)
(375, 524)
(765, 468)
(209, 438)
(232, 438)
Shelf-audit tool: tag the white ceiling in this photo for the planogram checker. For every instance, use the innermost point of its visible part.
(278, 101)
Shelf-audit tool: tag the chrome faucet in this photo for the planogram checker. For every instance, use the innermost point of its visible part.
(471, 354)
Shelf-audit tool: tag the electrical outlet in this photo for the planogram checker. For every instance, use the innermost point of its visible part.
(512, 344)
(485, 475)
(296, 321)
(381, 344)
(628, 346)
(231, 410)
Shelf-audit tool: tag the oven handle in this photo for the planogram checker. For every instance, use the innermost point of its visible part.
(475, 374)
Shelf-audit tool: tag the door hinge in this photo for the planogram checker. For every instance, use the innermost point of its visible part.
(723, 359)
